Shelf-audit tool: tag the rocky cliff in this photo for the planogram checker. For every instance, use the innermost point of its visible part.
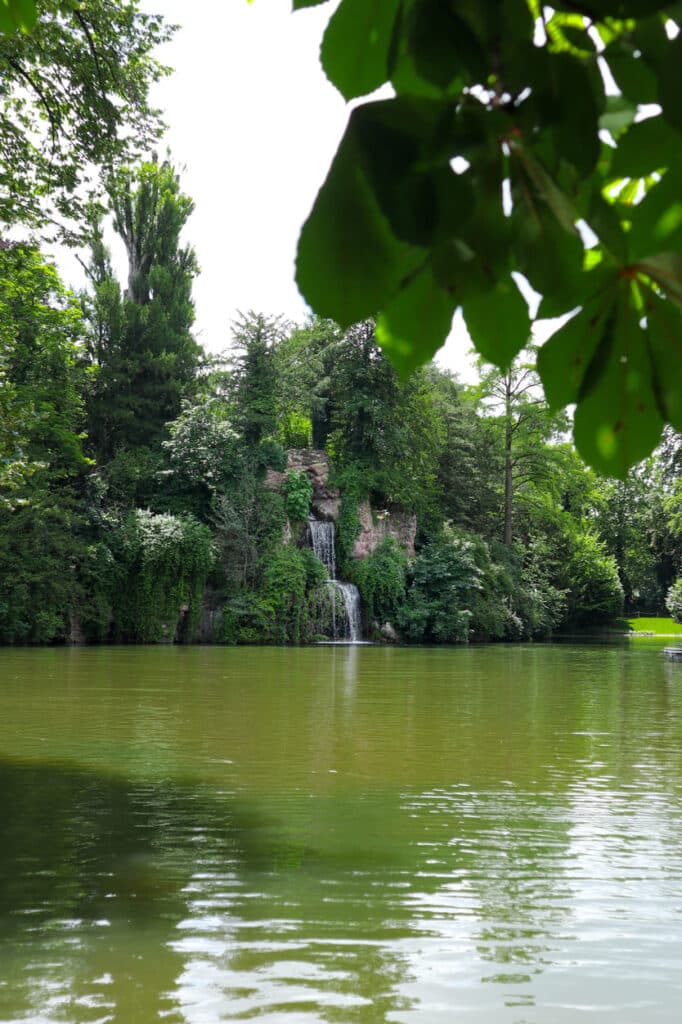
(375, 524)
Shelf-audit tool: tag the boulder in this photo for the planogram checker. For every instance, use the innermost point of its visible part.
(326, 509)
(274, 481)
(377, 526)
(315, 463)
(388, 633)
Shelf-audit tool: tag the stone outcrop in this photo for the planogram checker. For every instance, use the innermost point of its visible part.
(389, 634)
(326, 500)
(326, 509)
(377, 526)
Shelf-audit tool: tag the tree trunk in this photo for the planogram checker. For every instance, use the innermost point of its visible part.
(508, 483)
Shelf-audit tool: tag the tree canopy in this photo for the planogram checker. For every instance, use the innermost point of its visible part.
(522, 141)
(75, 99)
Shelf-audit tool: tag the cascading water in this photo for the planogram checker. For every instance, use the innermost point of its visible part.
(350, 596)
(322, 536)
(349, 626)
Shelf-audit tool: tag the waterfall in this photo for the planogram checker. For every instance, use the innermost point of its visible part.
(349, 625)
(350, 597)
(322, 536)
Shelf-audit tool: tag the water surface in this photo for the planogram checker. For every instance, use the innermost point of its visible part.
(341, 834)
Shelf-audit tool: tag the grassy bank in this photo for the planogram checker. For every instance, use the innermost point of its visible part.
(657, 625)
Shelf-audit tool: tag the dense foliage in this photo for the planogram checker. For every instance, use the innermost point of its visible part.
(75, 100)
(141, 343)
(162, 563)
(298, 491)
(151, 494)
(523, 142)
(199, 520)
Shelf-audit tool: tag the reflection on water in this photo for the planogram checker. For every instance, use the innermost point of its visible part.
(340, 834)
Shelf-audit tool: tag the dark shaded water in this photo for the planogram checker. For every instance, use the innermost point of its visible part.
(341, 834)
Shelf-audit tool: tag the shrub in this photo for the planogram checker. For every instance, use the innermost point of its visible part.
(247, 619)
(283, 591)
(295, 430)
(315, 572)
(270, 455)
(40, 554)
(673, 601)
(595, 592)
(380, 578)
(298, 491)
(443, 579)
(163, 562)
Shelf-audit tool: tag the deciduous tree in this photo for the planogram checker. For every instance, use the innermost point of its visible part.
(75, 99)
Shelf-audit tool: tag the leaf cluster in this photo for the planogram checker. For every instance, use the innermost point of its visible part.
(298, 491)
(502, 156)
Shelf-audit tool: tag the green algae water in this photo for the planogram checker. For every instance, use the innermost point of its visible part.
(341, 834)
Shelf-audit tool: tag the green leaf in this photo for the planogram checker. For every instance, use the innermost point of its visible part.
(670, 82)
(392, 137)
(456, 268)
(665, 343)
(349, 261)
(7, 22)
(405, 78)
(17, 15)
(570, 100)
(558, 202)
(665, 268)
(618, 423)
(564, 360)
(568, 32)
(547, 245)
(647, 146)
(443, 44)
(649, 36)
(25, 12)
(299, 4)
(633, 76)
(603, 218)
(657, 221)
(621, 8)
(498, 321)
(355, 48)
(406, 158)
(416, 322)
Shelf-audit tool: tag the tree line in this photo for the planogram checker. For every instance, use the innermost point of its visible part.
(133, 464)
(133, 472)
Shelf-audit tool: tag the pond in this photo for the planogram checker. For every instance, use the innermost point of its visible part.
(341, 834)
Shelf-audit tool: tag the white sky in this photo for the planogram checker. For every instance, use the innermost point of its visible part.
(255, 123)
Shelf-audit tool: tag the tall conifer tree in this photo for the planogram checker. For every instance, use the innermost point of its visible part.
(142, 345)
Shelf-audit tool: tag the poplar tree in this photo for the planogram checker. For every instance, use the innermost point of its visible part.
(141, 344)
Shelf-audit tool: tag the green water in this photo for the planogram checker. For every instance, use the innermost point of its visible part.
(341, 834)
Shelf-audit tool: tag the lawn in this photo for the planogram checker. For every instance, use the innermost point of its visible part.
(658, 625)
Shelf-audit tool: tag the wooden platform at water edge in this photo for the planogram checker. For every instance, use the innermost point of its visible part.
(673, 653)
